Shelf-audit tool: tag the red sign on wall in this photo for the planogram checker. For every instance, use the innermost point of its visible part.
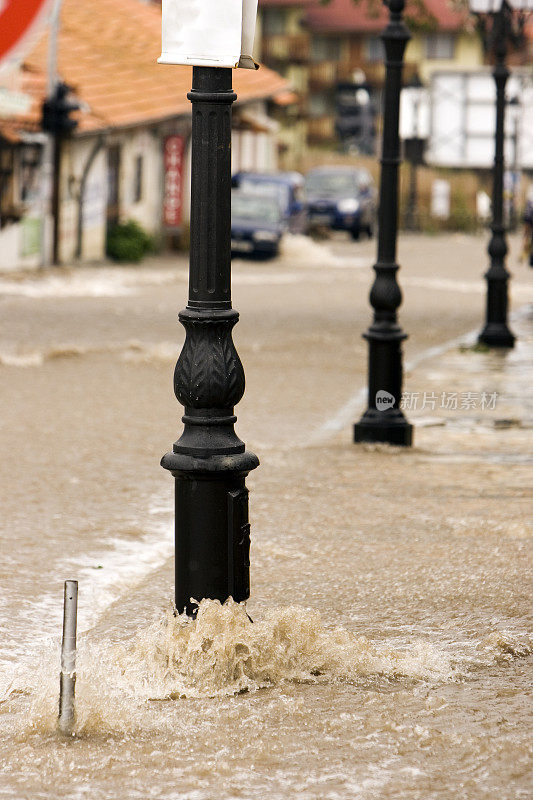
(19, 19)
(174, 147)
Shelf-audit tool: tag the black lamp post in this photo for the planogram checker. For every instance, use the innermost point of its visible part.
(209, 462)
(56, 119)
(414, 97)
(384, 421)
(514, 107)
(501, 30)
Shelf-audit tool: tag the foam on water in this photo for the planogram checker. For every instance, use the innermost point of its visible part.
(104, 577)
(504, 646)
(222, 653)
(301, 251)
(33, 359)
(69, 285)
(88, 282)
(524, 291)
(164, 351)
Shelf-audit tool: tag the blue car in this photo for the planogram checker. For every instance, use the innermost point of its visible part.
(341, 198)
(256, 224)
(286, 186)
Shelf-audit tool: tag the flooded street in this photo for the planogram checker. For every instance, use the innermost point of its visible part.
(389, 656)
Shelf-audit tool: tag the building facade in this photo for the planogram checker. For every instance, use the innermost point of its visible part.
(129, 156)
(323, 49)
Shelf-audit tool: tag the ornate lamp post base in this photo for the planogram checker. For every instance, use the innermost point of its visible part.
(497, 335)
(212, 528)
(496, 331)
(384, 421)
(395, 430)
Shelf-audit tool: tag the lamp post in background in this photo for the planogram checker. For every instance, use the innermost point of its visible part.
(384, 421)
(512, 176)
(414, 130)
(502, 29)
(56, 120)
(209, 462)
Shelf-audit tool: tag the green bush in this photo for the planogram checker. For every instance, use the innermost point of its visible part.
(462, 216)
(128, 241)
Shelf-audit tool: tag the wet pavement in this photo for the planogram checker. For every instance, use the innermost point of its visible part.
(389, 654)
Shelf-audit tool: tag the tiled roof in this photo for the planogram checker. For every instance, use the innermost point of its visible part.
(108, 52)
(371, 17)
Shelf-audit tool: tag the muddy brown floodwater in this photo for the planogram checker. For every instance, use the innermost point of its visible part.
(389, 655)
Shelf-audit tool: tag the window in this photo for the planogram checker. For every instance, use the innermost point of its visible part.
(274, 22)
(138, 180)
(113, 184)
(19, 179)
(29, 163)
(321, 104)
(7, 166)
(325, 48)
(375, 51)
(440, 45)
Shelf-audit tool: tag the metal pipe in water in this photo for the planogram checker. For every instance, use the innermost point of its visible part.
(67, 678)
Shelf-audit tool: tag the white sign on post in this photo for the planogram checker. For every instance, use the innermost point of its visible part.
(209, 33)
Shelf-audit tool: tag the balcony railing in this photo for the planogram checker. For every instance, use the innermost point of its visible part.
(323, 74)
(285, 47)
(321, 129)
(374, 72)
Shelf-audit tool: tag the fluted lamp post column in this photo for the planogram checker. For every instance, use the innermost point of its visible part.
(502, 29)
(384, 421)
(209, 462)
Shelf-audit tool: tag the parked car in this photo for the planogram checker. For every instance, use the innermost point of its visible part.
(341, 198)
(286, 186)
(256, 224)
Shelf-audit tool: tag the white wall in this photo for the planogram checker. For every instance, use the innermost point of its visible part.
(75, 156)
(147, 212)
(20, 243)
(253, 151)
(94, 210)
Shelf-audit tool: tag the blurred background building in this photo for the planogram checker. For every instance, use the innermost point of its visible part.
(328, 52)
(316, 100)
(128, 157)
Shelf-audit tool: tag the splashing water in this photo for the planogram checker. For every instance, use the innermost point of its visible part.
(221, 653)
(298, 250)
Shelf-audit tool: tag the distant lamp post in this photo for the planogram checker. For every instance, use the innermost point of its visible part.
(384, 421)
(515, 113)
(502, 28)
(414, 130)
(356, 114)
(209, 462)
(57, 120)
